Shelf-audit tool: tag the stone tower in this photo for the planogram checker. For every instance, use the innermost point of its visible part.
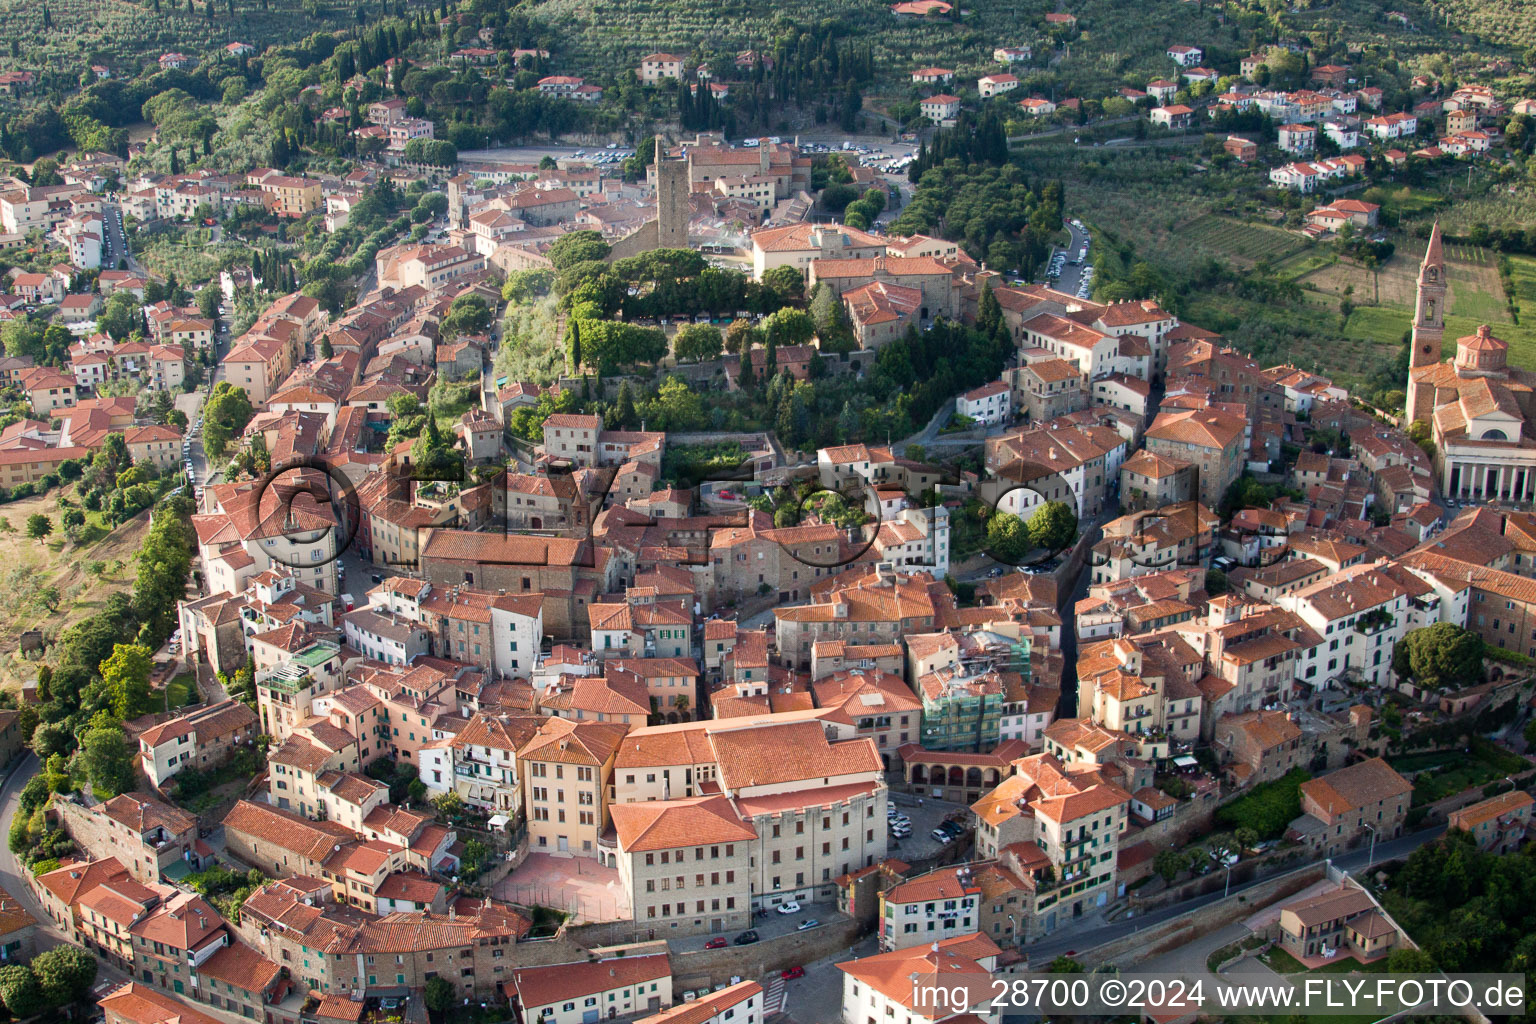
(672, 207)
(669, 230)
(1428, 321)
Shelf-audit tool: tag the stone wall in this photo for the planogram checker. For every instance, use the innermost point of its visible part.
(1186, 928)
(94, 833)
(1193, 817)
(707, 968)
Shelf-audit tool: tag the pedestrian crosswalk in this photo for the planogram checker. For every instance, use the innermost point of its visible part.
(774, 991)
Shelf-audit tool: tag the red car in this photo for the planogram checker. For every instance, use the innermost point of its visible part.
(716, 944)
(792, 972)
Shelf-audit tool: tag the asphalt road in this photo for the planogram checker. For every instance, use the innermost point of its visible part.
(1071, 273)
(114, 246)
(1061, 942)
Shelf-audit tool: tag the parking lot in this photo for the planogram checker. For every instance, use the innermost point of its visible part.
(1064, 272)
(925, 817)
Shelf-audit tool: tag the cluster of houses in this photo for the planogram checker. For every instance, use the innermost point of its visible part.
(553, 641)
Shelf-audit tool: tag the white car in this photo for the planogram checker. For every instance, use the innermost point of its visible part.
(788, 908)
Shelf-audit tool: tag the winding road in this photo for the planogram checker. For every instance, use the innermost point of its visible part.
(1073, 939)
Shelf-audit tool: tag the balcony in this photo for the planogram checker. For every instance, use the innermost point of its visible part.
(287, 678)
(1375, 621)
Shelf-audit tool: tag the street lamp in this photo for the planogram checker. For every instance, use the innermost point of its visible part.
(1371, 856)
(1014, 929)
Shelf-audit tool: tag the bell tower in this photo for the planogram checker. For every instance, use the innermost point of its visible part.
(1429, 310)
(1428, 322)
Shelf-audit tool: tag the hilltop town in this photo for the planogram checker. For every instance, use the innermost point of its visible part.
(687, 534)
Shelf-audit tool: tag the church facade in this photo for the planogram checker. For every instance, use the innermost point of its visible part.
(1477, 407)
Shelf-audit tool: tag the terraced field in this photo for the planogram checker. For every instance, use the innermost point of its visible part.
(1239, 242)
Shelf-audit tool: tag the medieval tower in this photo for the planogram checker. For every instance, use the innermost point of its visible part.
(672, 207)
(670, 228)
(1428, 320)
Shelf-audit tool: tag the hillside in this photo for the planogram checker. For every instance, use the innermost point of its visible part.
(124, 35)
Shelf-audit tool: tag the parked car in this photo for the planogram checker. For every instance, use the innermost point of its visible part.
(746, 938)
(942, 836)
(788, 908)
(718, 943)
(790, 973)
(809, 922)
(954, 828)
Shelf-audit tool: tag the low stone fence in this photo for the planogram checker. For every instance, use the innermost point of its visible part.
(1155, 940)
(706, 968)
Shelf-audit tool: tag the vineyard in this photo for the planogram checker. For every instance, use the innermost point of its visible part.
(1240, 243)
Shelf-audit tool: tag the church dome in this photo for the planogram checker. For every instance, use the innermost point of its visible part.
(1481, 351)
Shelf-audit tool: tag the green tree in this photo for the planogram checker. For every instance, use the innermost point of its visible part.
(208, 299)
(790, 327)
(624, 406)
(439, 995)
(577, 247)
(20, 992)
(126, 675)
(573, 345)
(1168, 864)
(39, 526)
(225, 416)
(739, 335)
(698, 342)
(468, 315)
(786, 283)
(1053, 525)
(52, 738)
(65, 973)
(1442, 655)
(119, 316)
(108, 762)
(1007, 537)
(1405, 960)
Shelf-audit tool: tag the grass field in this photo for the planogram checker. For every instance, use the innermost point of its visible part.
(1384, 301)
(1524, 273)
(1282, 962)
(53, 563)
(181, 691)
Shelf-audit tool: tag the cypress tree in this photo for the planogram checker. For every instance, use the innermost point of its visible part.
(573, 345)
(624, 408)
(745, 377)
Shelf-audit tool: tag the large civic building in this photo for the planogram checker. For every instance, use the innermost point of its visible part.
(1479, 409)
